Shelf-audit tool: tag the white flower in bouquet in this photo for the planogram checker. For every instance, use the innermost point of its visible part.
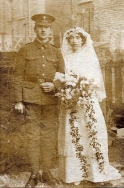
(83, 83)
(83, 92)
(90, 91)
(59, 80)
(68, 97)
(70, 84)
(59, 76)
(68, 94)
(82, 102)
(70, 78)
(79, 102)
(63, 98)
(67, 90)
(62, 90)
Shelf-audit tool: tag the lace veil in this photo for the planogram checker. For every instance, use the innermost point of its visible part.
(89, 56)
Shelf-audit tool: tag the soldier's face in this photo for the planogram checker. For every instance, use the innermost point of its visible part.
(43, 32)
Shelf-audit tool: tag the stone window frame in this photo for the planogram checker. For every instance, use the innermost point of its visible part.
(84, 1)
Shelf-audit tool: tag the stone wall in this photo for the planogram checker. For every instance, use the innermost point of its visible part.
(108, 15)
(62, 11)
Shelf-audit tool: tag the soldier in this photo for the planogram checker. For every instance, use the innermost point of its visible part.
(35, 66)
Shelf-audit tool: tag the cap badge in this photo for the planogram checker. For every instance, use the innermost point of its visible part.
(44, 18)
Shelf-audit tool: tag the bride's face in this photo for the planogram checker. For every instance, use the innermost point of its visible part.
(75, 41)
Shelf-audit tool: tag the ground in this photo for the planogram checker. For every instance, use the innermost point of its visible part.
(17, 177)
(20, 179)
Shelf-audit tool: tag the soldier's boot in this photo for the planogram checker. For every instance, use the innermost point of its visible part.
(49, 179)
(33, 180)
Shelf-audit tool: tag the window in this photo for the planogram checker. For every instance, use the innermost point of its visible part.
(21, 10)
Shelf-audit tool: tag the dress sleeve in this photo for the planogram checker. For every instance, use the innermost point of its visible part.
(98, 78)
(93, 70)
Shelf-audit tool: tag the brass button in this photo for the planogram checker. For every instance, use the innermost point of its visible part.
(42, 48)
(43, 56)
(43, 65)
(43, 74)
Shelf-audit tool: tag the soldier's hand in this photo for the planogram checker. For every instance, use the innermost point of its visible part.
(20, 107)
(47, 86)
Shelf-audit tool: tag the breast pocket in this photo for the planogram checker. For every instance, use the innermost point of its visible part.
(53, 61)
(32, 66)
(52, 66)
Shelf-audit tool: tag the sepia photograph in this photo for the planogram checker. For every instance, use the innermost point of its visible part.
(61, 93)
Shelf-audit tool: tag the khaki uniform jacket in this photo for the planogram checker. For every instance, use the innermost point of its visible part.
(36, 61)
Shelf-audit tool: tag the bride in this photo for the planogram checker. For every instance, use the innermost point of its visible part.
(80, 57)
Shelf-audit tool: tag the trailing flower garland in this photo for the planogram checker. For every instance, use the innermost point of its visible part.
(76, 141)
(91, 120)
(75, 91)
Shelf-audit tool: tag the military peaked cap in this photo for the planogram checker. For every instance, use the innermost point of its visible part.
(43, 19)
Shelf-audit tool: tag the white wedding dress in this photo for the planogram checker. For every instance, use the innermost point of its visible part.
(69, 164)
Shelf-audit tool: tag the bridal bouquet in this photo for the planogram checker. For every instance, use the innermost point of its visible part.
(72, 89)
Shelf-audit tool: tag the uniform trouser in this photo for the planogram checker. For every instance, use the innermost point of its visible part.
(41, 133)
